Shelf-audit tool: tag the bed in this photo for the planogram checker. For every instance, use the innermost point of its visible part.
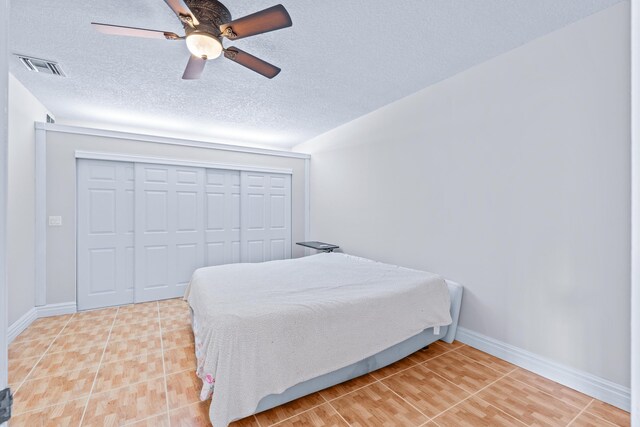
(272, 332)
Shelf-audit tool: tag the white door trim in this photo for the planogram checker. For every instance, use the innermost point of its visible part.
(52, 127)
(118, 157)
(4, 141)
(307, 203)
(635, 212)
(41, 217)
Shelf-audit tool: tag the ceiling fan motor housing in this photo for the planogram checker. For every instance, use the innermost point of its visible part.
(211, 14)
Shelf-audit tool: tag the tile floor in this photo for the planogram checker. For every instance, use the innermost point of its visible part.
(134, 365)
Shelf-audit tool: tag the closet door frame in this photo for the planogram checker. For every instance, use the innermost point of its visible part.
(132, 158)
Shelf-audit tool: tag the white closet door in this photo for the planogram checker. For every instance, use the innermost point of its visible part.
(169, 229)
(105, 203)
(265, 216)
(222, 218)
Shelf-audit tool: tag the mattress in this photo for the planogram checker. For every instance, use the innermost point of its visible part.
(264, 328)
(379, 360)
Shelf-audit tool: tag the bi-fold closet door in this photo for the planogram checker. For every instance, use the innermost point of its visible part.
(105, 239)
(144, 228)
(169, 229)
(222, 217)
(265, 217)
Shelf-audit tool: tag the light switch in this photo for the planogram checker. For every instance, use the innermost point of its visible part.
(55, 221)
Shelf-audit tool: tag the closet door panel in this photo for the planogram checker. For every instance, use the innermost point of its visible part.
(152, 232)
(188, 259)
(156, 208)
(216, 211)
(130, 272)
(169, 229)
(127, 216)
(105, 233)
(236, 253)
(255, 251)
(102, 271)
(216, 253)
(102, 212)
(265, 217)
(222, 232)
(155, 264)
(278, 211)
(278, 249)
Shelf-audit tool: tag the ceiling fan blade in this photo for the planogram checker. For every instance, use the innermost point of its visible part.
(251, 62)
(271, 19)
(180, 8)
(134, 32)
(194, 69)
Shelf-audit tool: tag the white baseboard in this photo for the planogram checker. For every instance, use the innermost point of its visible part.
(21, 324)
(36, 312)
(56, 309)
(589, 384)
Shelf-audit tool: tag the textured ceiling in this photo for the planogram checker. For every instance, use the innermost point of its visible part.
(340, 60)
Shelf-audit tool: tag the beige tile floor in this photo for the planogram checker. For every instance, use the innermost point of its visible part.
(134, 365)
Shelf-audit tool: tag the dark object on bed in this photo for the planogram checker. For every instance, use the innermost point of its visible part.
(319, 246)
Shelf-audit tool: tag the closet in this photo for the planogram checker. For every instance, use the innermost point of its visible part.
(144, 228)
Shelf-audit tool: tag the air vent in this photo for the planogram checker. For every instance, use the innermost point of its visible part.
(41, 65)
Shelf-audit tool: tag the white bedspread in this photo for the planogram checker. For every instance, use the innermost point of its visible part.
(262, 328)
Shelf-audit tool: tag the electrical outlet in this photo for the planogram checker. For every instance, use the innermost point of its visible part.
(55, 221)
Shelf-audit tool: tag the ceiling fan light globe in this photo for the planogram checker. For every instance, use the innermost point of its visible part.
(204, 45)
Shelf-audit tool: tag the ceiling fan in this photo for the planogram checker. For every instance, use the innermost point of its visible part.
(205, 23)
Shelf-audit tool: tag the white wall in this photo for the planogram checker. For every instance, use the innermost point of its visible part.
(512, 178)
(61, 193)
(24, 111)
(4, 72)
(635, 224)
